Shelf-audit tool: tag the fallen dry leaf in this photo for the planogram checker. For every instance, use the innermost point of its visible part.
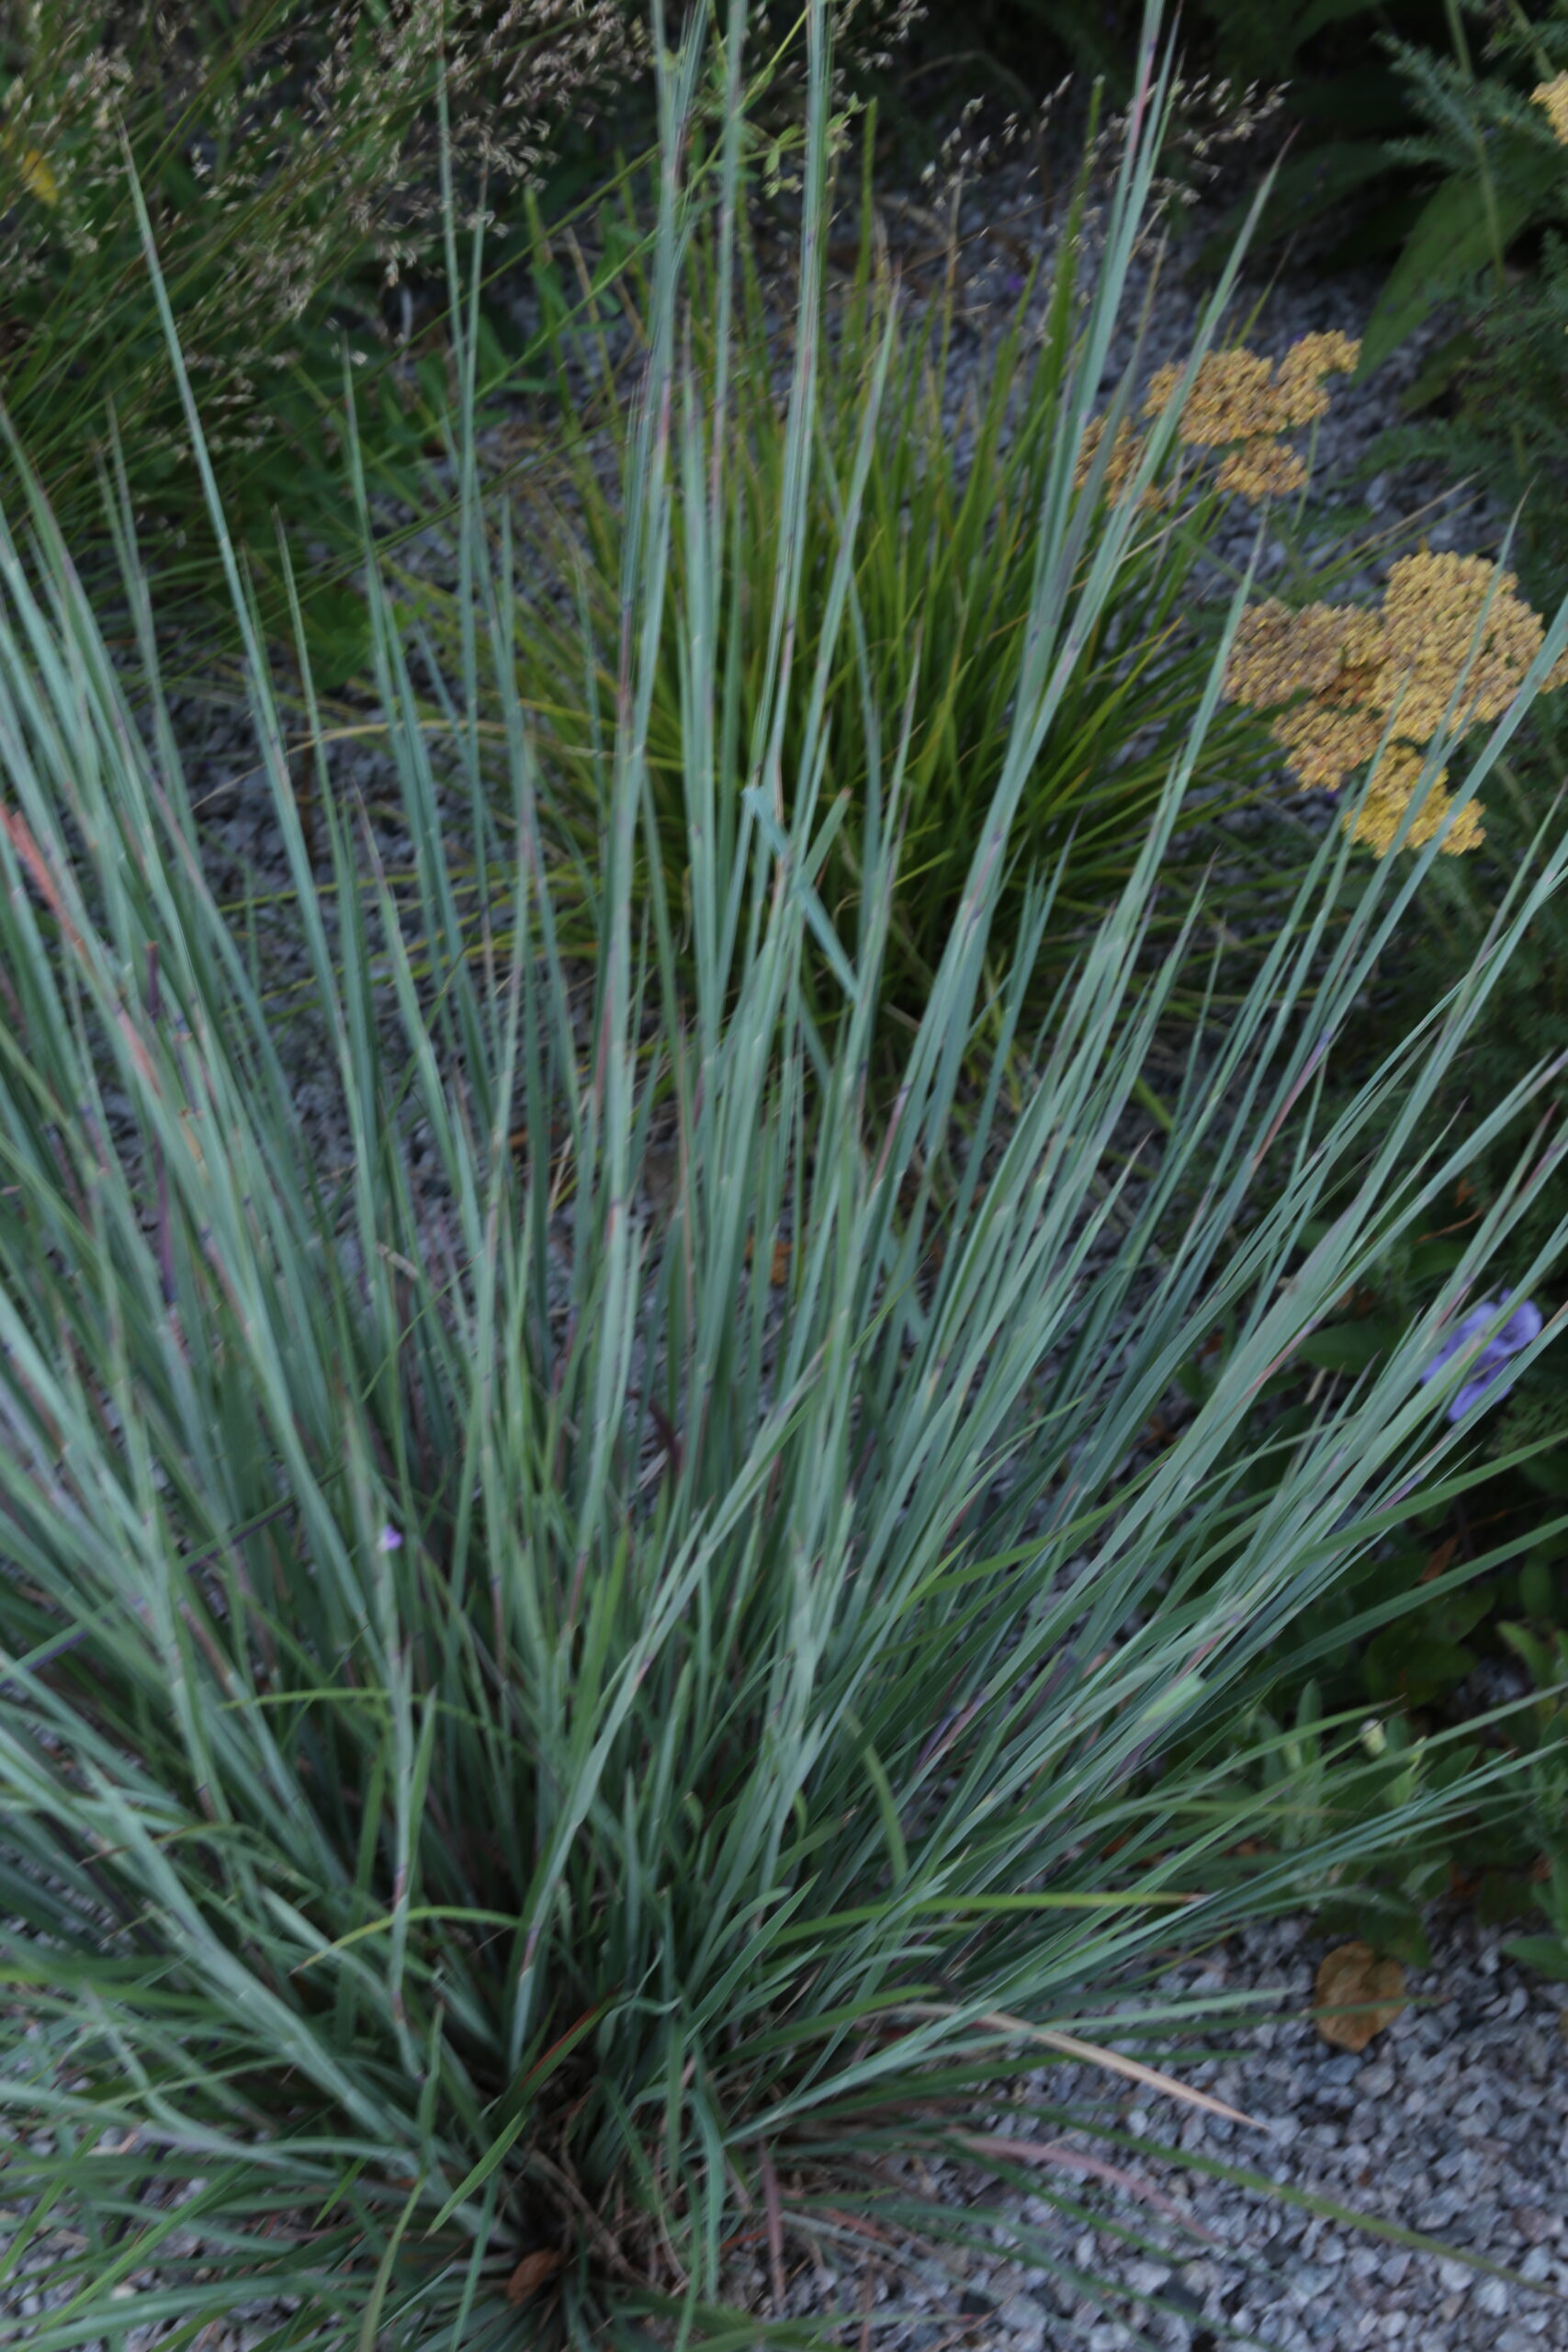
(1368, 1994)
(532, 2272)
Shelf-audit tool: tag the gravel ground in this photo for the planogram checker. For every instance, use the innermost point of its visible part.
(1453, 2122)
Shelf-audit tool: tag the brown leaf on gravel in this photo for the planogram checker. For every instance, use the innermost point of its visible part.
(1366, 1992)
(532, 2272)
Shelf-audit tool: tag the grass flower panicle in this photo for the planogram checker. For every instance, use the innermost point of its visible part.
(1489, 1377)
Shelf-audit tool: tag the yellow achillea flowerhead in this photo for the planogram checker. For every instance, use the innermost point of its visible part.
(1126, 452)
(1359, 669)
(1325, 745)
(1261, 468)
(1554, 97)
(1430, 613)
(1237, 403)
(1381, 814)
(1298, 385)
(1276, 652)
(33, 168)
(1230, 400)
(1236, 396)
(37, 178)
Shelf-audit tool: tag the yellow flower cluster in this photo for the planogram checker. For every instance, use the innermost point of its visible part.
(1125, 451)
(1238, 402)
(32, 168)
(1554, 97)
(1360, 669)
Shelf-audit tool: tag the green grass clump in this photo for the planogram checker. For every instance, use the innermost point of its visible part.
(944, 578)
(291, 162)
(523, 1791)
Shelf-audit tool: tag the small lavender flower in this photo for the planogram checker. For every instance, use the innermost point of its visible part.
(1518, 1332)
(390, 1541)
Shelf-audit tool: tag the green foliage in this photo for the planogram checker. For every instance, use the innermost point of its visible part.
(1485, 163)
(486, 1772)
(290, 162)
(944, 575)
(1389, 1653)
(1489, 408)
(1502, 169)
(1481, 1579)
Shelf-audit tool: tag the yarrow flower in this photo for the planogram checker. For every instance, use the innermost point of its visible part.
(1383, 811)
(32, 167)
(1554, 97)
(1362, 670)
(1240, 404)
(1490, 1367)
(1125, 451)
(1261, 470)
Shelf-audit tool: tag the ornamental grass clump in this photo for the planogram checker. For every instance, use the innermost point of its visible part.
(280, 183)
(540, 1778)
(945, 570)
(1447, 652)
(290, 155)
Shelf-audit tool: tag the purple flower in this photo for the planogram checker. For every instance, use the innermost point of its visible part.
(390, 1541)
(1518, 1332)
